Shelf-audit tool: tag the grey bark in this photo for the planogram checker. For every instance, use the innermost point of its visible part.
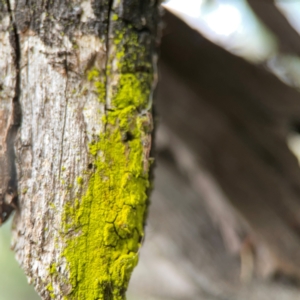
(223, 120)
(47, 48)
(9, 111)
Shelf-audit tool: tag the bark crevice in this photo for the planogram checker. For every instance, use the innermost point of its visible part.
(13, 125)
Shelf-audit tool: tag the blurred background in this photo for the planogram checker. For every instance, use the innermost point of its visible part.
(224, 220)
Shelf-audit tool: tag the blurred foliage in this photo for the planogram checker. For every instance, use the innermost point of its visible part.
(13, 283)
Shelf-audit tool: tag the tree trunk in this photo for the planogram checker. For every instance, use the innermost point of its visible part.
(82, 73)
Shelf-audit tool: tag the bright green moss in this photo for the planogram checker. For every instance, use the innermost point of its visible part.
(107, 222)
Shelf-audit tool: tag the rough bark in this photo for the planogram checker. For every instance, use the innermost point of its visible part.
(9, 110)
(83, 75)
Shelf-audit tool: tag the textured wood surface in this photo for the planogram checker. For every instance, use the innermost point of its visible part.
(226, 186)
(72, 58)
(10, 116)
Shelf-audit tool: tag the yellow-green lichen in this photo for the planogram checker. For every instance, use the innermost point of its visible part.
(53, 269)
(94, 76)
(50, 290)
(106, 224)
(52, 205)
(79, 180)
(115, 17)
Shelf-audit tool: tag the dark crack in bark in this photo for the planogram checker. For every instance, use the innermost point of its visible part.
(8, 184)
